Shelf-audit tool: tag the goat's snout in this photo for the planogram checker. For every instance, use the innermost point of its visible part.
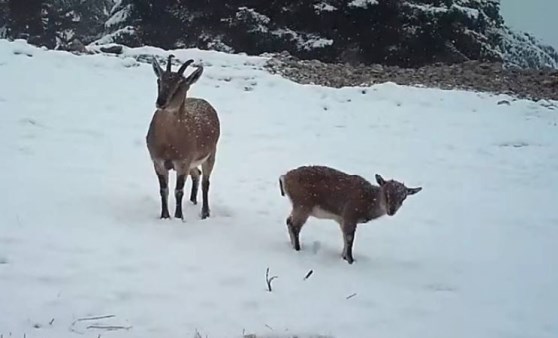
(160, 103)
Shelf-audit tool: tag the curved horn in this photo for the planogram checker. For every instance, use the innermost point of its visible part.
(169, 63)
(156, 67)
(184, 66)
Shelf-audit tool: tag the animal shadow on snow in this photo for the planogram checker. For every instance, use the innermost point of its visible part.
(326, 249)
(145, 209)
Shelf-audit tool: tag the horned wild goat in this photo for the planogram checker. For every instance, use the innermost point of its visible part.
(327, 193)
(183, 134)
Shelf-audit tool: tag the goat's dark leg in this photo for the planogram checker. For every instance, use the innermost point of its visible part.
(163, 177)
(295, 222)
(195, 174)
(179, 193)
(207, 168)
(349, 229)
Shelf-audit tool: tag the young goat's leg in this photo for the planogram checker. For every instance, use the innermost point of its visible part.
(195, 174)
(207, 168)
(163, 177)
(348, 229)
(295, 222)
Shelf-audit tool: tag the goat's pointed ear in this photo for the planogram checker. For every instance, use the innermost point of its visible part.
(156, 67)
(195, 76)
(412, 191)
(380, 180)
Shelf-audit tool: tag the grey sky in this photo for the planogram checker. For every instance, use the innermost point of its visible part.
(538, 17)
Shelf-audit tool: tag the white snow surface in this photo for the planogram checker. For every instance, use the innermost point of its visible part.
(303, 40)
(260, 20)
(119, 17)
(363, 3)
(473, 254)
(324, 7)
(110, 38)
(472, 13)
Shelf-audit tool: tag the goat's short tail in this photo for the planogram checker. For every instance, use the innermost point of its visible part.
(281, 184)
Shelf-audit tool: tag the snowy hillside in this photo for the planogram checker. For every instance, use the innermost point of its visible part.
(472, 255)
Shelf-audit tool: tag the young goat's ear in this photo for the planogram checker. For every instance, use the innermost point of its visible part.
(195, 76)
(156, 67)
(412, 191)
(380, 180)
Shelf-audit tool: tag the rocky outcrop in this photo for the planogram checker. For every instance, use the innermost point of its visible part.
(469, 75)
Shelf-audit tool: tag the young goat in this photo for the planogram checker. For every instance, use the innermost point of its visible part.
(327, 193)
(183, 134)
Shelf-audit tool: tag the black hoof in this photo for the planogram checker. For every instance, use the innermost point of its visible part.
(194, 201)
(178, 214)
(349, 260)
(165, 215)
(205, 214)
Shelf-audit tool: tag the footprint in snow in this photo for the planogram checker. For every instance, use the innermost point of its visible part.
(440, 287)
(232, 281)
(517, 144)
(126, 268)
(23, 52)
(251, 305)
(316, 245)
(30, 122)
(207, 304)
(26, 150)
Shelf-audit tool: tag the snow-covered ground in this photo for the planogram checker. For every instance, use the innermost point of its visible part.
(474, 254)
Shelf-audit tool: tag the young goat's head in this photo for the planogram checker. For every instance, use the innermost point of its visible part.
(173, 86)
(394, 193)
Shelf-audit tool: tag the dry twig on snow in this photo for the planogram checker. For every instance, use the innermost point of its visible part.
(95, 318)
(268, 280)
(351, 296)
(109, 327)
(308, 274)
